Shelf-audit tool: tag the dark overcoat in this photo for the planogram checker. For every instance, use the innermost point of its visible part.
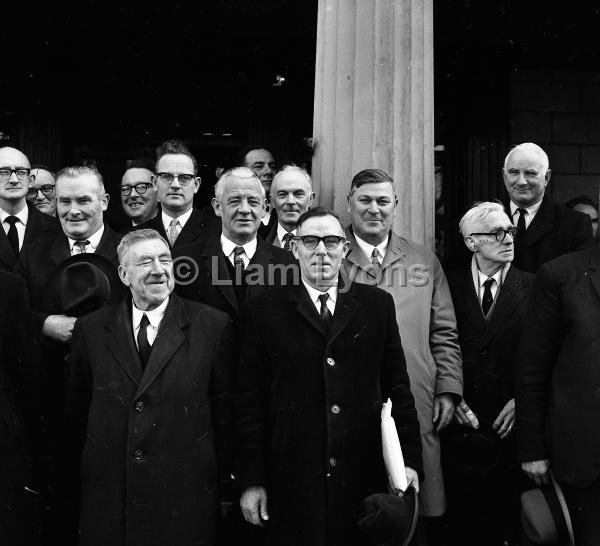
(308, 414)
(555, 230)
(558, 370)
(154, 440)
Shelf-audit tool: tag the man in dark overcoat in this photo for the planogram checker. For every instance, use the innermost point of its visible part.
(318, 359)
(147, 403)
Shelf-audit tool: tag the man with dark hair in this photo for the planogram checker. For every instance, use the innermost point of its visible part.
(22, 224)
(147, 403)
(139, 196)
(179, 222)
(586, 206)
(318, 359)
(546, 229)
(41, 190)
(427, 325)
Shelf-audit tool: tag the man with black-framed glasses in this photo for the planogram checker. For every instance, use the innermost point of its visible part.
(41, 190)
(22, 224)
(139, 196)
(177, 182)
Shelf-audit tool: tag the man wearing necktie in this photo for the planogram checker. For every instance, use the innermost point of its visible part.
(490, 298)
(147, 402)
(22, 224)
(546, 229)
(318, 359)
(291, 195)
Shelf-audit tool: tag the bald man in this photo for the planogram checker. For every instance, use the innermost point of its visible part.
(22, 224)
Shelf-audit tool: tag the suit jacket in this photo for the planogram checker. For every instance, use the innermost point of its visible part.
(213, 285)
(152, 440)
(265, 229)
(308, 419)
(425, 314)
(40, 227)
(555, 230)
(489, 347)
(558, 371)
(198, 226)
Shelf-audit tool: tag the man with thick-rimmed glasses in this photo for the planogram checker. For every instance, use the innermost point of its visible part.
(41, 192)
(139, 196)
(22, 224)
(177, 182)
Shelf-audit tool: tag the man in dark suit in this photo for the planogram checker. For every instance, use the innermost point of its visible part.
(224, 271)
(139, 195)
(490, 300)
(147, 400)
(318, 359)
(557, 386)
(291, 196)
(546, 229)
(22, 224)
(178, 221)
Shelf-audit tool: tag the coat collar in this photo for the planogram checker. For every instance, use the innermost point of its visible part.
(540, 225)
(395, 252)
(59, 250)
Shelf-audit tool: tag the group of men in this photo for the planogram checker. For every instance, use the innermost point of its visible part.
(241, 355)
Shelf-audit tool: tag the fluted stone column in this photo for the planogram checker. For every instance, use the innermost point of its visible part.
(374, 104)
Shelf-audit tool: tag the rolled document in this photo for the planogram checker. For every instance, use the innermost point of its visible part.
(392, 452)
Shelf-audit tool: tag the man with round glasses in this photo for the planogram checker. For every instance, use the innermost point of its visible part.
(490, 298)
(22, 223)
(139, 196)
(318, 359)
(41, 190)
(177, 182)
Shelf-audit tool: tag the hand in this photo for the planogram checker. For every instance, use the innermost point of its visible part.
(464, 415)
(412, 478)
(253, 503)
(443, 408)
(59, 327)
(538, 471)
(506, 419)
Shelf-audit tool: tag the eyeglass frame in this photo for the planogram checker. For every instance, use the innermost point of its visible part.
(131, 187)
(32, 192)
(160, 175)
(22, 179)
(510, 231)
(340, 239)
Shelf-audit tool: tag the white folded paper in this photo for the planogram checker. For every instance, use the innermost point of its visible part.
(392, 452)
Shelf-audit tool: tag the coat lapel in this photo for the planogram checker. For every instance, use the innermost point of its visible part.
(192, 229)
(345, 308)
(357, 258)
(470, 302)
(540, 225)
(107, 247)
(305, 307)
(121, 342)
(7, 256)
(59, 250)
(211, 250)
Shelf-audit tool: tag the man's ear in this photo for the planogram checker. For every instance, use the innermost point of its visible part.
(471, 244)
(548, 175)
(294, 248)
(197, 182)
(216, 206)
(123, 275)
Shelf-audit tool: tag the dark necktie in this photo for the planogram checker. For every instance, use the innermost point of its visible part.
(238, 261)
(375, 257)
(325, 312)
(13, 236)
(521, 223)
(142, 340)
(487, 300)
(286, 241)
(79, 246)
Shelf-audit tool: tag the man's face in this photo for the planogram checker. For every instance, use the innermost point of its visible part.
(525, 177)
(139, 205)
(489, 251)
(176, 198)
(147, 269)
(591, 212)
(80, 206)
(320, 266)
(263, 165)
(291, 196)
(14, 188)
(372, 208)
(240, 208)
(43, 183)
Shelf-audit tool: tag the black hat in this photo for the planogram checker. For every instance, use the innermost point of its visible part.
(81, 284)
(545, 515)
(390, 520)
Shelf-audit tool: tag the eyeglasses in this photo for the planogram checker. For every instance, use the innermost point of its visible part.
(311, 242)
(167, 178)
(140, 188)
(21, 172)
(500, 234)
(46, 189)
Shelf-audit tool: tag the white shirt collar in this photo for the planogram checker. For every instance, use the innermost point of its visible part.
(22, 215)
(154, 317)
(367, 248)
(496, 276)
(94, 240)
(479, 278)
(314, 293)
(531, 211)
(265, 219)
(166, 219)
(281, 231)
(228, 245)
